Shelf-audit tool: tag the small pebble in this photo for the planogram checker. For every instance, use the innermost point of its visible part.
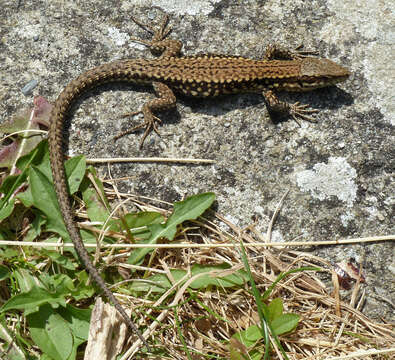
(28, 88)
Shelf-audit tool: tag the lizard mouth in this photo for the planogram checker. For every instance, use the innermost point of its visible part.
(310, 84)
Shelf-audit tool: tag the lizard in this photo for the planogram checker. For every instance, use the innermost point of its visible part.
(202, 75)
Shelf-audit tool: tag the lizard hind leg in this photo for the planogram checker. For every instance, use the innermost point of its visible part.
(165, 100)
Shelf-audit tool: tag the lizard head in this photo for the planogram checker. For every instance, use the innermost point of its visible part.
(316, 73)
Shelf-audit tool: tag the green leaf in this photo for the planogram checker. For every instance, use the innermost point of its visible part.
(249, 336)
(37, 156)
(60, 259)
(275, 308)
(143, 218)
(7, 209)
(32, 300)
(78, 319)
(51, 333)
(160, 283)
(26, 198)
(15, 182)
(285, 323)
(189, 209)
(58, 283)
(83, 288)
(75, 171)
(4, 272)
(35, 227)
(44, 198)
(98, 185)
(95, 208)
(25, 280)
(8, 183)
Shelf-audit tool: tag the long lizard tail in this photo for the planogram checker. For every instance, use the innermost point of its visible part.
(55, 139)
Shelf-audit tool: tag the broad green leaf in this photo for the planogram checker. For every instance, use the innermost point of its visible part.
(95, 208)
(249, 336)
(31, 301)
(7, 210)
(83, 289)
(12, 184)
(26, 198)
(275, 308)
(4, 272)
(43, 193)
(44, 198)
(35, 227)
(189, 209)
(57, 283)
(143, 218)
(51, 333)
(9, 183)
(78, 319)
(285, 323)
(39, 157)
(75, 171)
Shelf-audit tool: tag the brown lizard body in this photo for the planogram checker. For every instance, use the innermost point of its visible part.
(204, 75)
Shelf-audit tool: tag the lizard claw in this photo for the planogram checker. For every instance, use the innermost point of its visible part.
(302, 111)
(150, 124)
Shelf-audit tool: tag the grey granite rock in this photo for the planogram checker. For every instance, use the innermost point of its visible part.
(339, 171)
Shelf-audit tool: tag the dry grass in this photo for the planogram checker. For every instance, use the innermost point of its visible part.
(202, 321)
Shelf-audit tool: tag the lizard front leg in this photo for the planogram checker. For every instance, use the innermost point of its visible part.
(296, 111)
(277, 52)
(158, 43)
